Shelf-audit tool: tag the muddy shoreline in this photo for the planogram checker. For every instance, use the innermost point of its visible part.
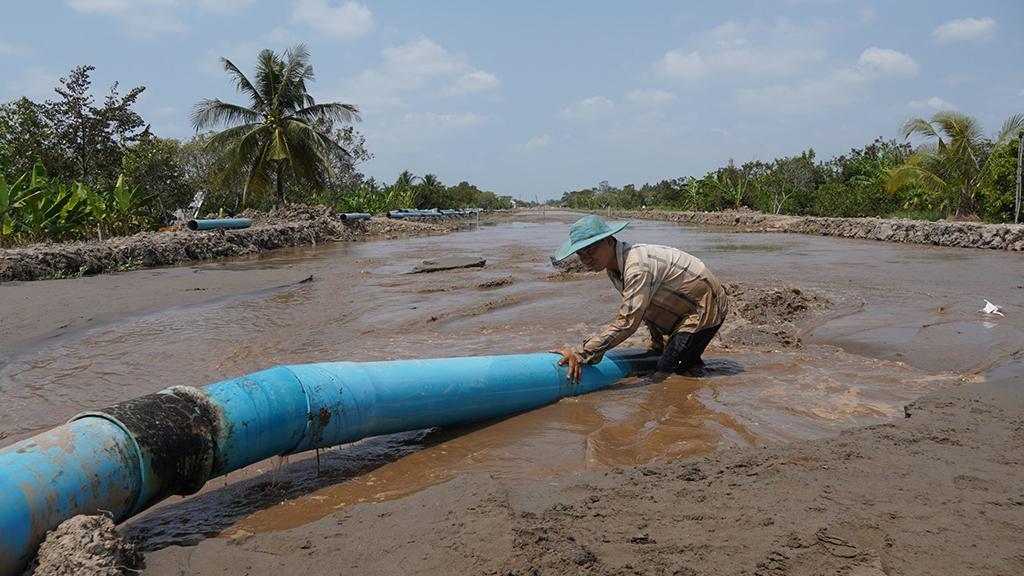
(1009, 237)
(295, 225)
(936, 492)
(300, 225)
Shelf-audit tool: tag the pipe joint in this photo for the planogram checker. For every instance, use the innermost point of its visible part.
(175, 434)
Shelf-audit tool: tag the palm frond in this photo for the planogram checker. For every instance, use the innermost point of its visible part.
(918, 126)
(243, 85)
(1011, 128)
(331, 112)
(914, 175)
(210, 113)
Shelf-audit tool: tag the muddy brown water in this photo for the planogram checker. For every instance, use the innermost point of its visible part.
(901, 321)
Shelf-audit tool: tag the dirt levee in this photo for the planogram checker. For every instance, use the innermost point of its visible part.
(942, 233)
(294, 225)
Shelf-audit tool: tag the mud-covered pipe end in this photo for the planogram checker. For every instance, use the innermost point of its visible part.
(175, 432)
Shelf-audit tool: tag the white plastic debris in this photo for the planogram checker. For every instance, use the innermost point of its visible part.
(990, 308)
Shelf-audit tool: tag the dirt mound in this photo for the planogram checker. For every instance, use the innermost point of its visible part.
(85, 545)
(289, 213)
(497, 283)
(766, 317)
(571, 265)
(960, 234)
(294, 225)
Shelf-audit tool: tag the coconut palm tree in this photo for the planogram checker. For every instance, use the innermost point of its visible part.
(954, 160)
(406, 179)
(431, 192)
(278, 134)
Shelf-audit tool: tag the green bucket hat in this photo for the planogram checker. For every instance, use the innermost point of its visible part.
(585, 232)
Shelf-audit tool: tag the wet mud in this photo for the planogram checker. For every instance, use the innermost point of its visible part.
(85, 545)
(824, 335)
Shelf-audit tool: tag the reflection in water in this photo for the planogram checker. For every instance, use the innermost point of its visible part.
(897, 343)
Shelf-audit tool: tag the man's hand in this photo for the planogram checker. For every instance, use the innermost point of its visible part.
(575, 369)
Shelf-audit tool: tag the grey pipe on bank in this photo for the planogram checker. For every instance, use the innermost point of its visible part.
(226, 223)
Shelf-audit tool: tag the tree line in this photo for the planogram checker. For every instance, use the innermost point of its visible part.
(74, 168)
(956, 172)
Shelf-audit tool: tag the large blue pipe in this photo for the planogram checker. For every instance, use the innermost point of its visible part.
(124, 458)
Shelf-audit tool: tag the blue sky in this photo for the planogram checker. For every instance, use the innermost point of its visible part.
(532, 99)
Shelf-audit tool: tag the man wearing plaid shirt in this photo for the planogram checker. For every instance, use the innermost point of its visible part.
(670, 291)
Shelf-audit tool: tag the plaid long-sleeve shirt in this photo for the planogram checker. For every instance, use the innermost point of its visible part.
(667, 289)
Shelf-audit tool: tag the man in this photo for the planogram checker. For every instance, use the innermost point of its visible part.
(667, 289)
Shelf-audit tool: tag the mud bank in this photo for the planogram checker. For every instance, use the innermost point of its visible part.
(957, 234)
(938, 492)
(295, 225)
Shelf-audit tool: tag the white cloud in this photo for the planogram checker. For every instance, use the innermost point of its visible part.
(740, 51)
(866, 16)
(589, 108)
(279, 36)
(534, 143)
(119, 6)
(650, 97)
(444, 122)
(422, 134)
(241, 54)
(35, 83)
(349, 20)
(225, 6)
(471, 82)
(841, 87)
(728, 34)
(681, 65)
(933, 103)
(14, 49)
(422, 67)
(958, 79)
(423, 58)
(421, 130)
(887, 62)
(142, 18)
(966, 29)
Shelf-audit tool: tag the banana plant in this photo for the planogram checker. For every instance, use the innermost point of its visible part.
(126, 203)
(44, 216)
(16, 196)
(96, 205)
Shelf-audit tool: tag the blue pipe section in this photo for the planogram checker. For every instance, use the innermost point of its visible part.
(219, 223)
(412, 213)
(355, 216)
(79, 468)
(127, 457)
